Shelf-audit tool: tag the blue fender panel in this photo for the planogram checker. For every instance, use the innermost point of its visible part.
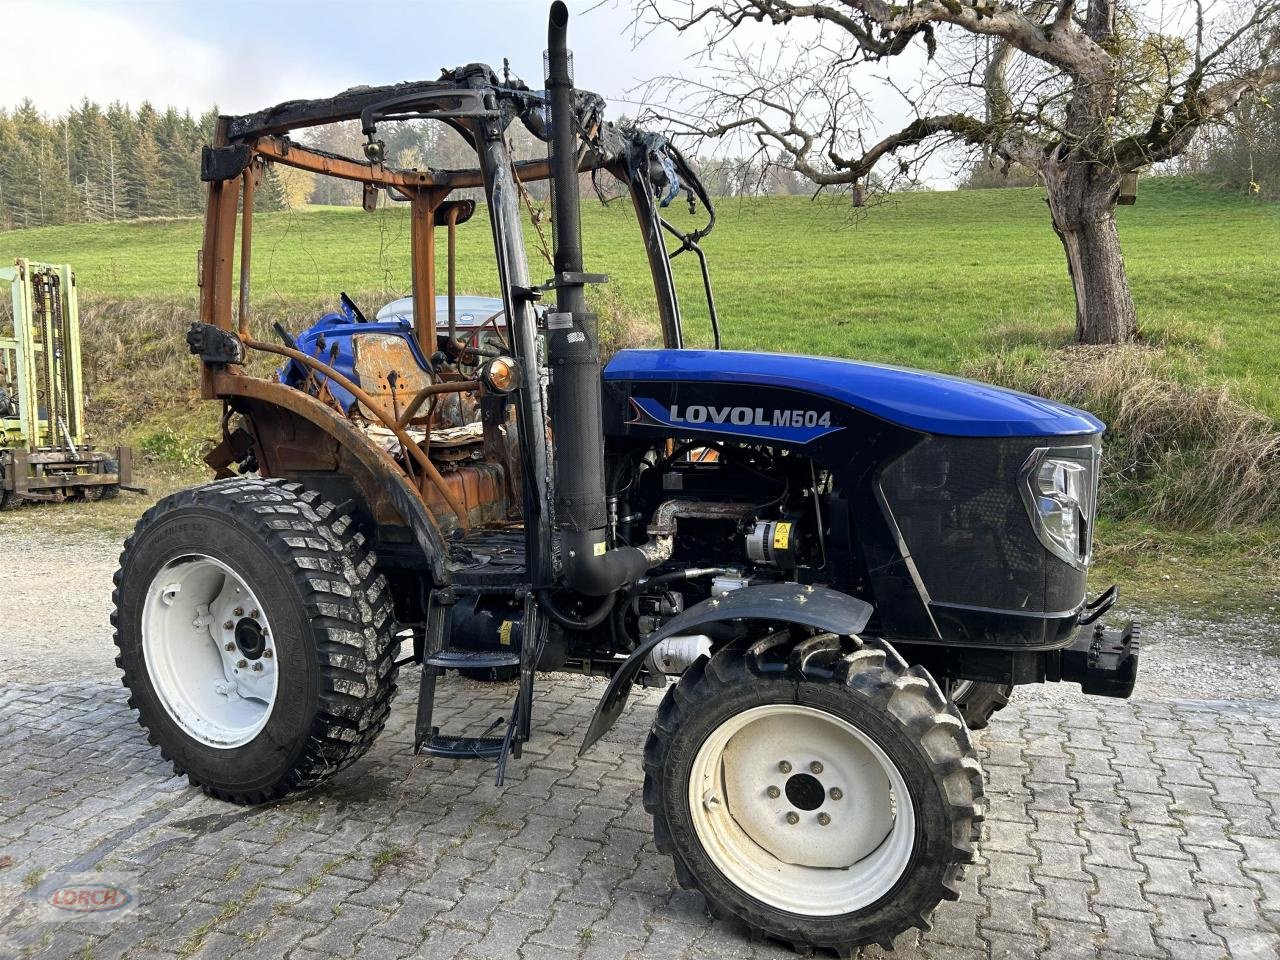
(817, 607)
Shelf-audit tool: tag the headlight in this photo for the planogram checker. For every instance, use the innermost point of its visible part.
(1059, 486)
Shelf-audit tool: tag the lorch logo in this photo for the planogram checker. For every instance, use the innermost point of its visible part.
(90, 898)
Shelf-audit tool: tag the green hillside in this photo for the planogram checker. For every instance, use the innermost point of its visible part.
(935, 280)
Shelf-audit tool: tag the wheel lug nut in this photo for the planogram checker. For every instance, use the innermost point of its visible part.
(816, 767)
(257, 667)
(227, 624)
(228, 647)
(242, 664)
(238, 611)
(267, 653)
(837, 793)
(793, 818)
(774, 793)
(784, 766)
(253, 614)
(824, 819)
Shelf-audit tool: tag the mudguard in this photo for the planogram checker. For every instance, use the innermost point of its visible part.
(809, 606)
(382, 469)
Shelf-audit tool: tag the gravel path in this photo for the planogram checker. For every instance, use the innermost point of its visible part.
(56, 606)
(56, 616)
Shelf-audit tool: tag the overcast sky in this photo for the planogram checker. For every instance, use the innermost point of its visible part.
(244, 55)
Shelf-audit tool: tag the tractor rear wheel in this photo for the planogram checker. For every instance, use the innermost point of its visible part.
(978, 701)
(256, 637)
(821, 792)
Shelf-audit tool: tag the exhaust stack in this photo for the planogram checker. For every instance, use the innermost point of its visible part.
(573, 354)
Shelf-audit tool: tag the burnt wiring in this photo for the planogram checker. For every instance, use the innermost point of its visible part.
(473, 346)
(385, 246)
(536, 211)
(290, 223)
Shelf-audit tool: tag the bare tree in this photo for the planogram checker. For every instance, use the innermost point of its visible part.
(1083, 98)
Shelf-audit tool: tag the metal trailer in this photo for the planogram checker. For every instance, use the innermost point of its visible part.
(45, 451)
(832, 566)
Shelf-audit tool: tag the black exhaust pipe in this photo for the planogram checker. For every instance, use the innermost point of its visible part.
(573, 354)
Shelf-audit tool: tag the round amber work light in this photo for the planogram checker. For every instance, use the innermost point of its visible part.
(500, 375)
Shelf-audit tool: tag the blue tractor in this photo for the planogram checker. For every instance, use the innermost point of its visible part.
(834, 568)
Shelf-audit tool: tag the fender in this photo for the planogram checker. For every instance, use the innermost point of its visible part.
(379, 464)
(790, 602)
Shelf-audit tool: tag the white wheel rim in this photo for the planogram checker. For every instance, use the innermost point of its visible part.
(209, 651)
(773, 844)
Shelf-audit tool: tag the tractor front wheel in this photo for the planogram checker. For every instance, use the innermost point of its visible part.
(822, 792)
(255, 635)
(978, 701)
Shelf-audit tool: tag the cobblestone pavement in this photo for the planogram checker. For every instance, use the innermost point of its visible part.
(1142, 828)
(1146, 828)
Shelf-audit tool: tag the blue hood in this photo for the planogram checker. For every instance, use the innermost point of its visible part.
(928, 402)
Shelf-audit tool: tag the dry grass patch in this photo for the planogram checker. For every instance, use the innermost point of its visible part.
(1188, 454)
(139, 372)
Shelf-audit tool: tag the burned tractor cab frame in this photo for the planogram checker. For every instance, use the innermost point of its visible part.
(839, 563)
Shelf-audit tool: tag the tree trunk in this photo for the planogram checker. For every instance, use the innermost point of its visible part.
(1082, 200)
(1083, 188)
(1104, 305)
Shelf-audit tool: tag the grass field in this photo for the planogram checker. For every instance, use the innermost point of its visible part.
(968, 281)
(933, 279)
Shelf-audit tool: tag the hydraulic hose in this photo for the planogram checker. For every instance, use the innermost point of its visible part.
(690, 574)
(570, 622)
(620, 609)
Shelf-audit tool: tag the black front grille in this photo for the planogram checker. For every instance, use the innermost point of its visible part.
(958, 506)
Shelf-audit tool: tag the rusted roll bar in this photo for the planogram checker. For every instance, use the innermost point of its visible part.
(291, 154)
(246, 244)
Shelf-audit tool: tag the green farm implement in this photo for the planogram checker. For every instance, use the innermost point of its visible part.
(45, 452)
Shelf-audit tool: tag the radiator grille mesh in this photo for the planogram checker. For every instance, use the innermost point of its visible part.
(958, 505)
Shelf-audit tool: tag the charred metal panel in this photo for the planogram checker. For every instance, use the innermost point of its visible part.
(388, 371)
(348, 105)
(481, 488)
